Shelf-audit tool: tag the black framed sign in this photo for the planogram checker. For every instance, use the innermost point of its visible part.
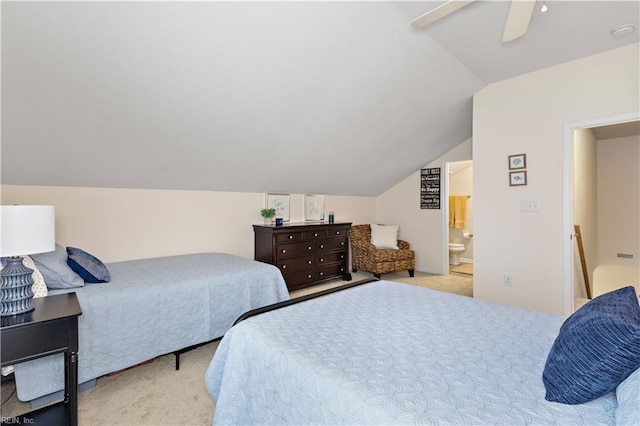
(430, 188)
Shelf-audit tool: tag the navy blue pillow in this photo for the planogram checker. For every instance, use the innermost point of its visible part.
(90, 268)
(596, 349)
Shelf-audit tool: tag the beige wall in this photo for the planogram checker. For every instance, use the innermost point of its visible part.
(618, 200)
(424, 229)
(124, 224)
(528, 114)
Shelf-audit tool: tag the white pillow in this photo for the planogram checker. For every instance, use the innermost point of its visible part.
(384, 236)
(39, 288)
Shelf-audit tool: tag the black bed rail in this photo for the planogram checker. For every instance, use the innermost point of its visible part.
(300, 299)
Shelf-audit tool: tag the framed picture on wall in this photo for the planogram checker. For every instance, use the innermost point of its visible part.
(313, 207)
(518, 178)
(517, 161)
(280, 202)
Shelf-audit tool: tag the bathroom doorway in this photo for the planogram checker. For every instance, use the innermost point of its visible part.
(458, 217)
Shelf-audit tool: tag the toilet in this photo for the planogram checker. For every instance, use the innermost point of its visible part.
(455, 249)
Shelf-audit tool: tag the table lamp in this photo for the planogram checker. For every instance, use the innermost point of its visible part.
(24, 230)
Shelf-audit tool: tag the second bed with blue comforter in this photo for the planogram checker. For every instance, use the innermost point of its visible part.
(153, 307)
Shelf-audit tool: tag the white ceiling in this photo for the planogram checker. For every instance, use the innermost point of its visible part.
(341, 98)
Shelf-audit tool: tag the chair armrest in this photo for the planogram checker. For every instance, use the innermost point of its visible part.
(403, 245)
(364, 246)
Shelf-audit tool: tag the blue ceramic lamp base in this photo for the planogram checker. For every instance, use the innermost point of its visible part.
(16, 294)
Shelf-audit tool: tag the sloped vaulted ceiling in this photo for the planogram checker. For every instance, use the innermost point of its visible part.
(340, 98)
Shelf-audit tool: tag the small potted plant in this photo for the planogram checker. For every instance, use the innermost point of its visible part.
(268, 215)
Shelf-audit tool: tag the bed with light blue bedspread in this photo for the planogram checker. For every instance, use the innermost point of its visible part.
(390, 353)
(153, 307)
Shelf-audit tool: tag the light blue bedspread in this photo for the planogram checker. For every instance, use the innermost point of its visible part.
(390, 353)
(152, 307)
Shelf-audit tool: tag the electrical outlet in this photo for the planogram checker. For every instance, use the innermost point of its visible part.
(508, 280)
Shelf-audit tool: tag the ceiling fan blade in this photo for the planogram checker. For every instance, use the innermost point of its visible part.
(518, 20)
(439, 12)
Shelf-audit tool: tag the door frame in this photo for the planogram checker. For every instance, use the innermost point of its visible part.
(568, 148)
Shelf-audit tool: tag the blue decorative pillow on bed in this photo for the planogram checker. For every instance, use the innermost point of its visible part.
(597, 348)
(89, 267)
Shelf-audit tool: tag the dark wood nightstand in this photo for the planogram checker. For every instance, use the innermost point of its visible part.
(51, 328)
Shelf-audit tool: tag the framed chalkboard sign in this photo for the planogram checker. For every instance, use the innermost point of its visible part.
(430, 188)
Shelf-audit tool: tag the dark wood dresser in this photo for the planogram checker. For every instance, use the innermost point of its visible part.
(306, 253)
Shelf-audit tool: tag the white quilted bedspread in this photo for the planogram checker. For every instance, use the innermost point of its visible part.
(152, 307)
(389, 353)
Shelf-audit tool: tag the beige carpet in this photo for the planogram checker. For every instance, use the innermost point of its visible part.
(151, 394)
(157, 394)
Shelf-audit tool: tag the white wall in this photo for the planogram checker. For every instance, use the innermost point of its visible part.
(618, 200)
(423, 229)
(124, 224)
(585, 206)
(527, 114)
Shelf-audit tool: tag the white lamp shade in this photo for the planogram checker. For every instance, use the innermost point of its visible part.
(27, 230)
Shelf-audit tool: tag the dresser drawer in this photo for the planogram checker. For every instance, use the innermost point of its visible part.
(337, 233)
(291, 237)
(295, 264)
(330, 271)
(330, 257)
(318, 234)
(331, 244)
(299, 279)
(284, 251)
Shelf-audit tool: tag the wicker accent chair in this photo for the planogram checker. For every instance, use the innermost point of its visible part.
(367, 257)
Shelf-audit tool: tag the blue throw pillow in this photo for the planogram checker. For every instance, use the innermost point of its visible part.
(597, 348)
(89, 267)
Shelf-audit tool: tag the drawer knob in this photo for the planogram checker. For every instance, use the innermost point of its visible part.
(321, 260)
(338, 233)
(309, 247)
(309, 276)
(284, 250)
(291, 237)
(342, 243)
(341, 269)
(309, 262)
(315, 234)
(342, 256)
(321, 246)
(321, 273)
(284, 266)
